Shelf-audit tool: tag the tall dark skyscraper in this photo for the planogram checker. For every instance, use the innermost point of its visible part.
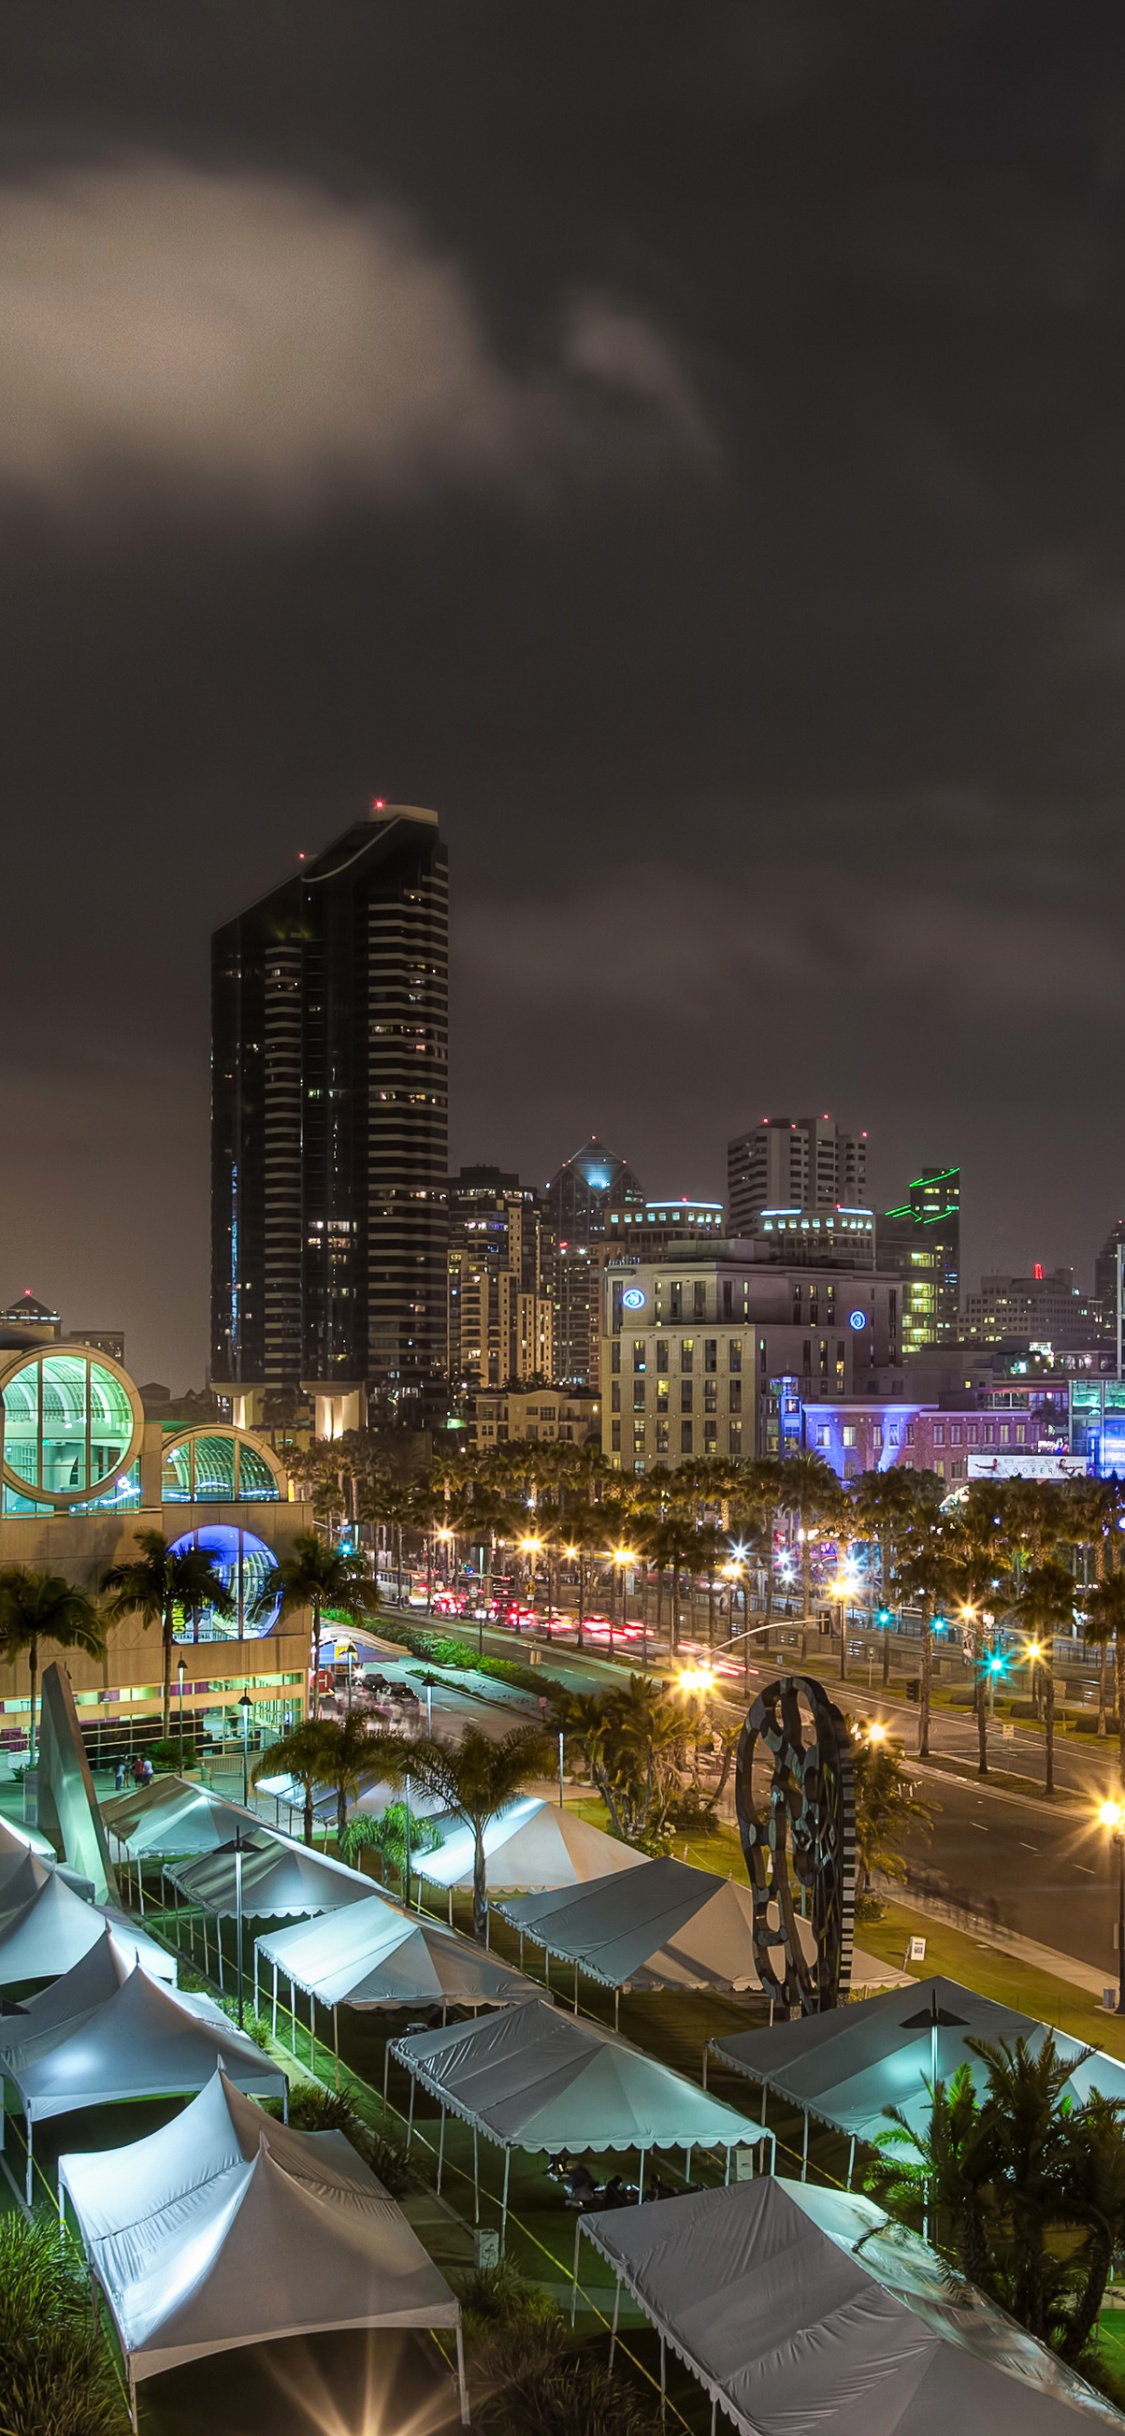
(329, 1122)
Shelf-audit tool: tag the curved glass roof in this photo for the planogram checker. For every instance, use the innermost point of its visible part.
(216, 1466)
(69, 1427)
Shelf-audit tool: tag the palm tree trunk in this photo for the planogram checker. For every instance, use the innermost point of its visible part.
(167, 1628)
(1119, 1701)
(33, 1678)
(886, 1590)
(1049, 1717)
(925, 1686)
(710, 1609)
(1084, 2316)
(806, 1594)
(675, 1609)
(480, 1898)
(581, 1597)
(979, 1698)
(341, 1810)
(314, 1658)
(768, 1635)
(1103, 1661)
(308, 1810)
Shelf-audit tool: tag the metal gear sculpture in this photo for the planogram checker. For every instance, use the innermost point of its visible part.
(804, 1830)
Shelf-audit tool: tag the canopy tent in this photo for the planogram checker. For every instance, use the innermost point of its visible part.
(531, 2078)
(808, 2308)
(376, 1953)
(531, 1843)
(47, 1928)
(172, 1816)
(250, 2232)
(278, 1877)
(665, 1926)
(100, 1972)
(846, 2067)
(15, 1838)
(143, 2041)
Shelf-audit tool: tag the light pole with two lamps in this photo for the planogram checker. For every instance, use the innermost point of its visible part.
(246, 1705)
(1111, 1816)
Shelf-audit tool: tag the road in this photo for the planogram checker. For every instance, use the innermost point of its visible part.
(1044, 1872)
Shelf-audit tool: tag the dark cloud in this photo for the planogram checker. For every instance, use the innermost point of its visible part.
(683, 446)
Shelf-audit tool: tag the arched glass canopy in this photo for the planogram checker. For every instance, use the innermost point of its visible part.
(218, 1466)
(243, 1562)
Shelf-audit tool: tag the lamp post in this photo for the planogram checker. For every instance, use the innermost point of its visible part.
(1112, 1818)
(246, 1704)
(351, 1654)
(237, 1918)
(181, 1670)
(406, 1791)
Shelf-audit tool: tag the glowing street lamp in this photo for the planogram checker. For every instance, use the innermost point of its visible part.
(696, 1680)
(875, 1730)
(1111, 1816)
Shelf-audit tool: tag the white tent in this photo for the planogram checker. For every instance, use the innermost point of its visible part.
(532, 1843)
(278, 1877)
(173, 1816)
(801, 2308)
(846, 2067)
(16, 1838)
(377, 1953)
(101, 1971)
(249, 2232)
(51, 1928)
(531, 2078)
(144, 2041)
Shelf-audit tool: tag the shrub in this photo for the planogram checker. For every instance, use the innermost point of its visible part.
(254, 2025)
(56, 2373)
(313, 2108)
(389, 2164)
(170, 1756)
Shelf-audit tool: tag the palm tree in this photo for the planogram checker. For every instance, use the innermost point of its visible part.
(761, 1488)
(305, 1754)
(1027, 2119)
(924, 1575)
(887, 1808)
(972, 1572)
(812, 1492)
(1105, 1623)
(319, 1577)
(37, 1607)
(475, 1779)
(350, 1751)
(583, 1530)
(888, 1506)
(157, 1583)
(1045, 1606)
(942, 2170)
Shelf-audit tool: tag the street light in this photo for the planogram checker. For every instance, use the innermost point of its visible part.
(622, 1558)
(1111, 1816)
(351, 1653)
(246, 1704)
(875, 1730)
(181, 1670)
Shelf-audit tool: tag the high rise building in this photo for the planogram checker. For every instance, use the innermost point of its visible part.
(1045, 1309)
(329, 1126)
(1105, 1277)
(793, 1163)
(501, 1315)
(920, 1242)
(577, 1203)
(656, 1225)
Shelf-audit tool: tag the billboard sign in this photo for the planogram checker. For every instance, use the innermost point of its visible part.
(1024, 1464)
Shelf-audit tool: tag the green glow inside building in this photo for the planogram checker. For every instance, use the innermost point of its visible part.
(920, 1243)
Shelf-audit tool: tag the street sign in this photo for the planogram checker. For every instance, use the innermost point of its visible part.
(916, 1949)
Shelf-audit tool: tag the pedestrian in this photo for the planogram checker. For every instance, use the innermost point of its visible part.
(119, 1777)
(137, 1770)
(146, 1771)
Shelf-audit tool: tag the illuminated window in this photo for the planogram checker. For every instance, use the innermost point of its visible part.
(71, 1433)
(243, 1563)
(216, 1466)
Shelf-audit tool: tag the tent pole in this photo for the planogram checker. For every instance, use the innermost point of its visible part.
(203, 1928)
(546, 1966)
(521, 1949)
(410, 2116)
(440, 2151)
(663, 2375)
(726, 2175)
(616, 2314)
(336, 2045)
(687, 2160)
(476, 2179)
(386, 2071)
(461, 2385)
(504, 2202)
(293, 2011)
(285, 2099)
(576, 1987)
(705, 2063)
(616, 2006)
(851, 2160)
(805, 2150)
(574, 2293)
(273, 2025)
(714, 2412)
(27, 2119)
(133, 2420)
(219, 1946)
(257, 2004)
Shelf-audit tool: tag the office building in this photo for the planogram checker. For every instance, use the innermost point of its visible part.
(501, 1313)
(27, 1321)
(1047, 1309)
(1105, 1278)
(793, 1163)
(830, 1239)
(712, 1351)
(547, 1416)
(329, 1128)
(649, 1230)
(578, 1204)
(920, 1241)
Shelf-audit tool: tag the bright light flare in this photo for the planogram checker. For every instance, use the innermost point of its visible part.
(1112, 1815)
(696, 1679)
(875, 1730)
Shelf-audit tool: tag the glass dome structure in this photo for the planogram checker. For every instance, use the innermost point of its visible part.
(243, 1562)
(71, 1426)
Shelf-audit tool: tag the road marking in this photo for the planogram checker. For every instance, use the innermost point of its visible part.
(980, 1827)
(1028, 1847)
(1091, 1873)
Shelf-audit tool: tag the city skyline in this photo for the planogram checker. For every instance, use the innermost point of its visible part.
(756, 644)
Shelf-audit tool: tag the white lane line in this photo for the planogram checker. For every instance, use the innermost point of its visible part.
(980, 1827)
(1086, 1866)
(1028, 1847)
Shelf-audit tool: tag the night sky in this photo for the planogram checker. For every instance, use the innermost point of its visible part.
(685, 445)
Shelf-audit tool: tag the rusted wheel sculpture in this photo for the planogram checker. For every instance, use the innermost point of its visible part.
(804, 1830)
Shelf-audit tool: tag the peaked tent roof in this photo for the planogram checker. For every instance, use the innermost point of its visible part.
(51, 1929)
(79, 1991)
(249, 2232)
(375, 1953)
(846, 2067)
(532, 1843)
(529, 2077)
(173, 1816)
(144, 2041)
(764, 2290)
(278, 1876)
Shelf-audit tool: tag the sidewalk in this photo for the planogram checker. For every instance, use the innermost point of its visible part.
(1043, 1958)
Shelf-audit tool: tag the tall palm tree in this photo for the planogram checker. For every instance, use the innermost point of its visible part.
(889, 1506)
(924, 1575)
(1044, 1607)
(761, 1491)
(812, 1493)
(475, 1779)
(1105, 1625)
(305, 1754)
(36, 1607)
(160, 1582)
(319, 1577)
(350, 1750)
